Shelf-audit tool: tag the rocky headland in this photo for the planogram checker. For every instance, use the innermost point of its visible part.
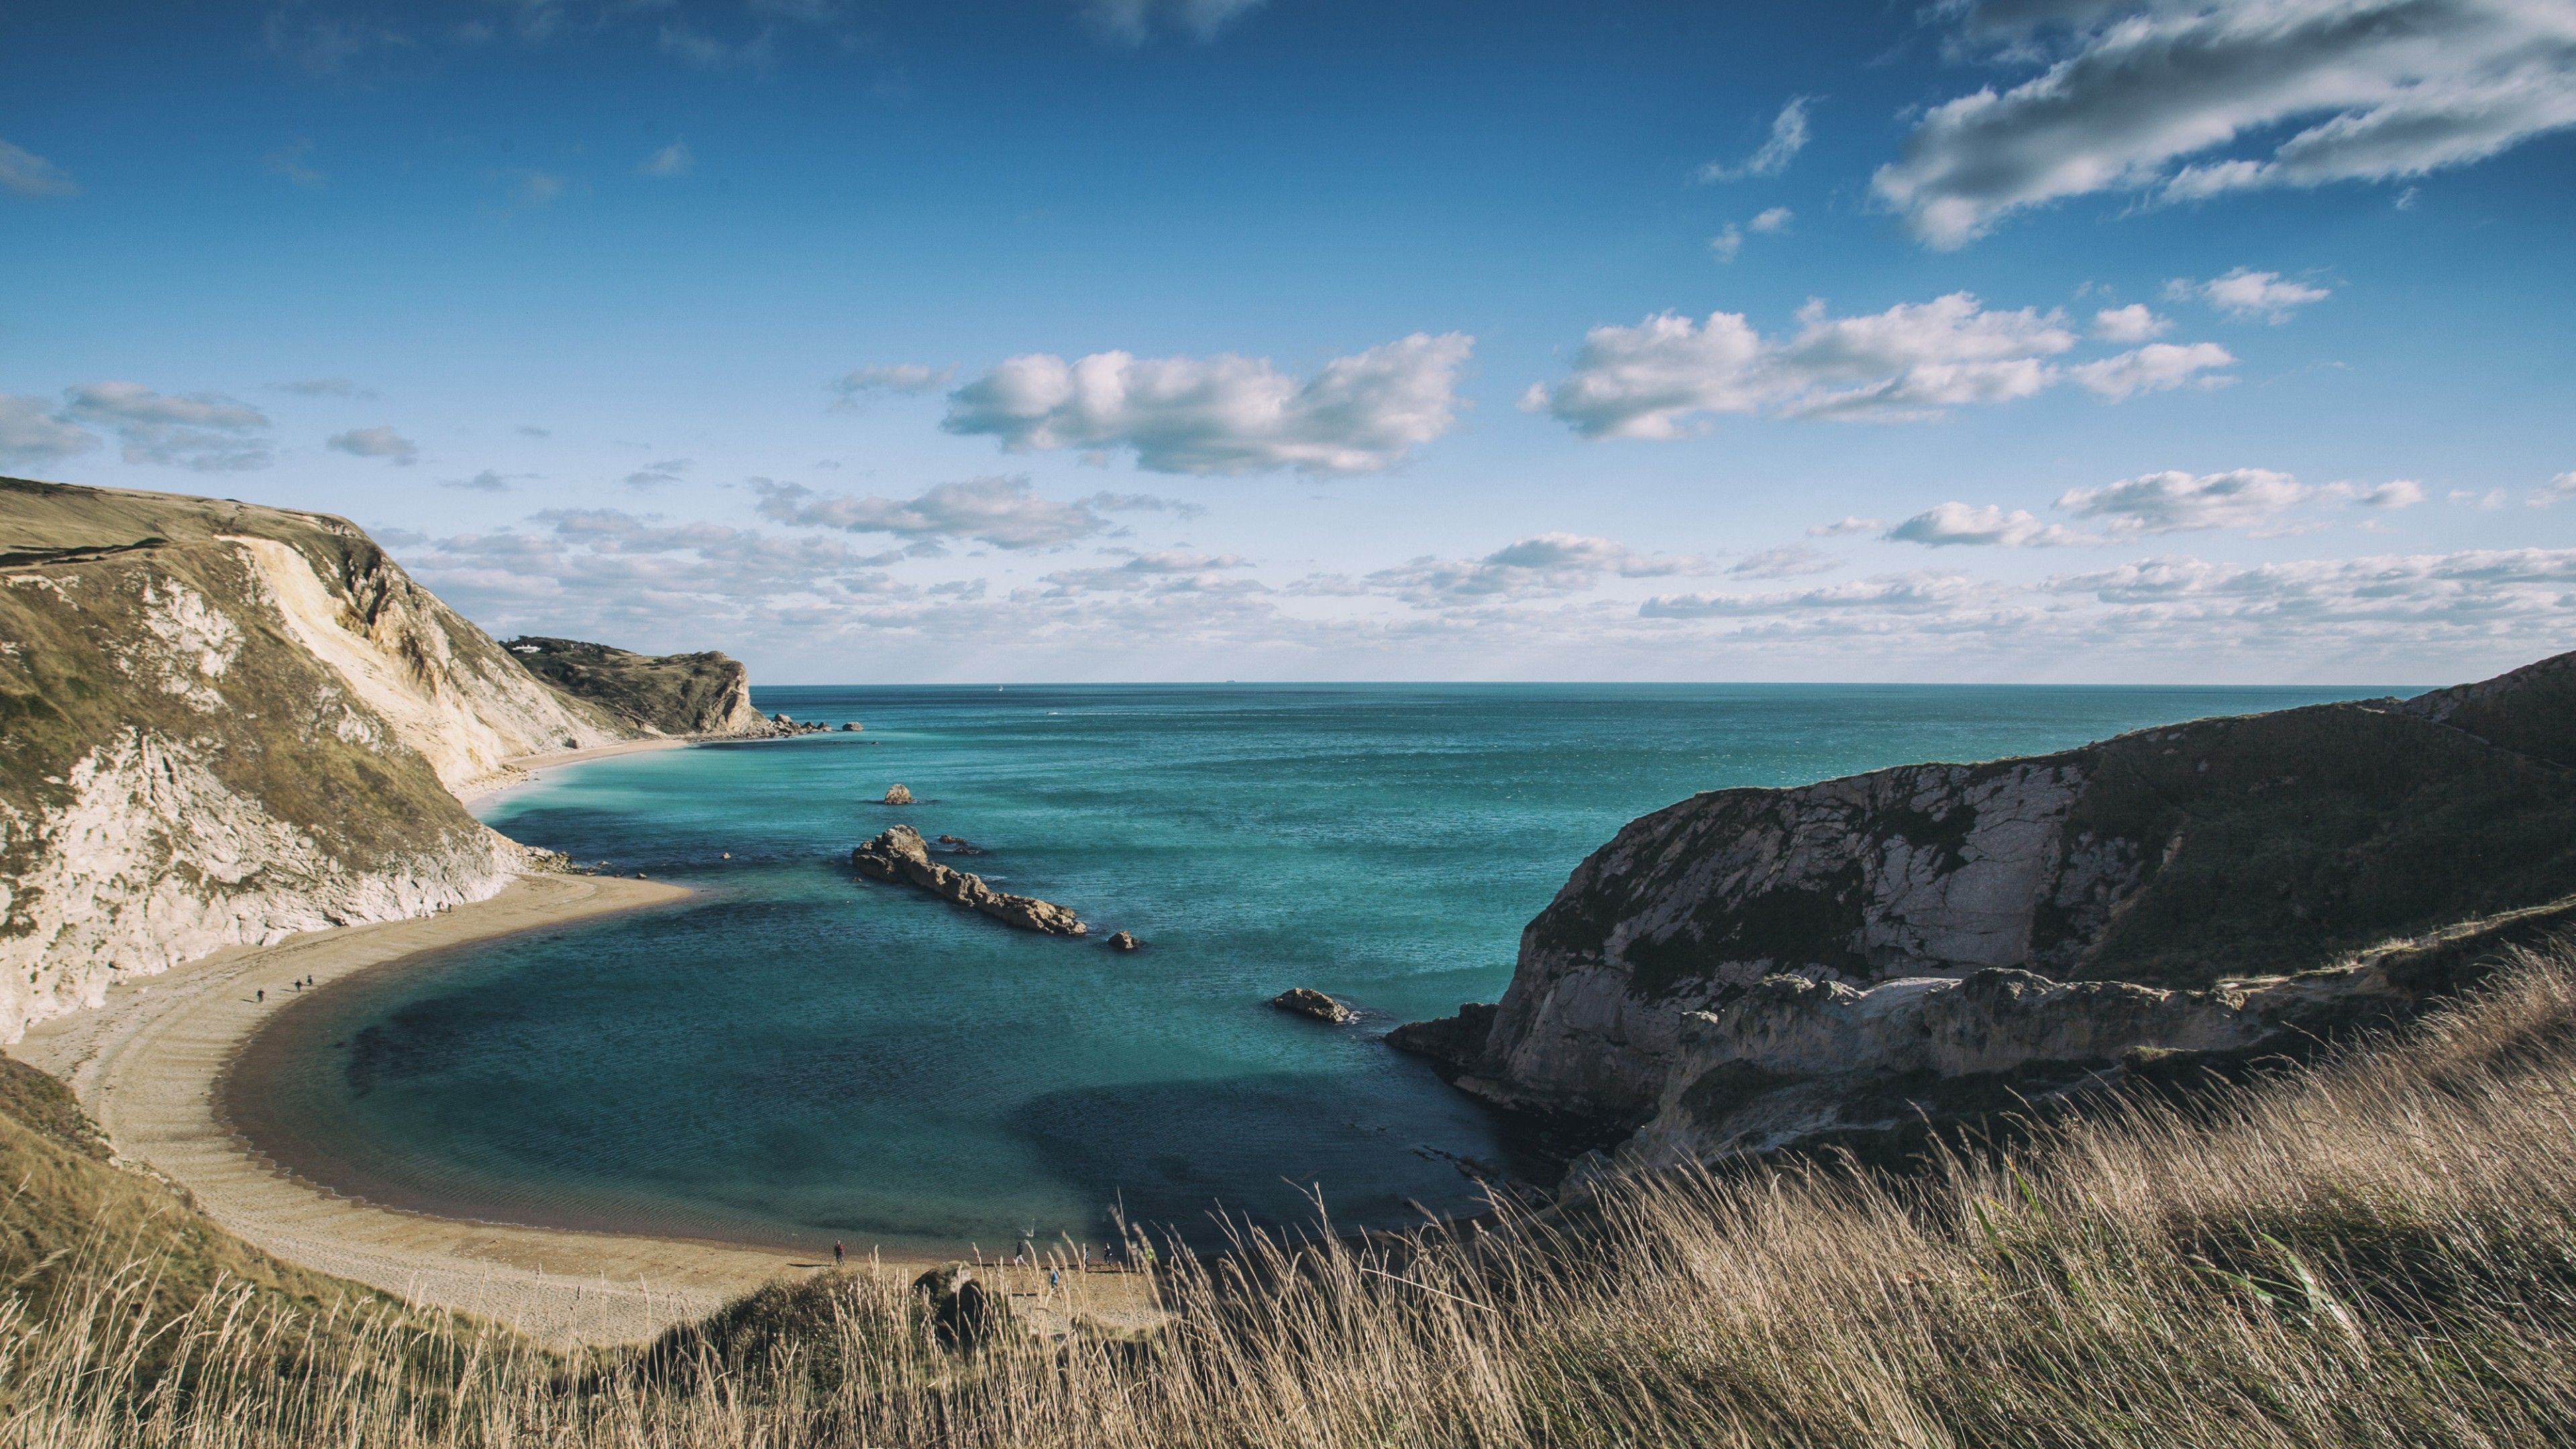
(221, 724)
(1756, 967)
(901, 856)
(674, 694)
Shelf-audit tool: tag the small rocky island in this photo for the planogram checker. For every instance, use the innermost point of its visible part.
(899, 855)
(1306, 1001)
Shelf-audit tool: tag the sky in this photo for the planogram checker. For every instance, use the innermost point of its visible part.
(2086, 341)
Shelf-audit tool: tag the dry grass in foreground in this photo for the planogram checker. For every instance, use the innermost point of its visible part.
(2379, 1250)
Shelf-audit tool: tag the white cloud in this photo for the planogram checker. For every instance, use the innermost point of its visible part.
(1771, 222)
(901, 379)
(1165, 571)
(206, 432)
(294, 161)
(2555, 490)
(487, 481)
(2396, 493)
(1223, 414)
(31, 433)
(1727, 243)
(2156, 367)
(1949, 525)
(1004, 512)
(2133, 323)
(1656, 379)
(659, 472)
(1541, 566)
(377, 442)
(2177, 502)
(1130, 22)
(2155, 95)
(2245, 294)
(2486, 502)
(1789, 561)
(1905, 593)
(324, 387)
(28, 174)
(695, 47)
(673, 160)
(1847, 524)
(1788, 137)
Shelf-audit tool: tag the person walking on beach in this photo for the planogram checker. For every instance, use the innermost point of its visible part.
(838, 1253)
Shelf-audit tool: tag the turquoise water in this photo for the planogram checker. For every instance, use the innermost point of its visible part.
(794, 1056)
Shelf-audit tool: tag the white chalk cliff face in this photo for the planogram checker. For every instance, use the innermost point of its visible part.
(1751, 967)
(220, 724)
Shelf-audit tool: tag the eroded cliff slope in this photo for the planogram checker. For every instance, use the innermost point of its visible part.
(1753, 966)
(222, 723)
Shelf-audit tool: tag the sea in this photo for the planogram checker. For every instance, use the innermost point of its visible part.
(795, 1056)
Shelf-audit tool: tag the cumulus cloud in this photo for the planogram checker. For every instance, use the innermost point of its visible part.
(376, 442)
(205, 432)
(2156, 367)
(1224, 414)
(1950, 525)
(1789, 561)
(2184, 99)
(1004, 512)
(1771, 222)
(1788, 137)
(487, 481)
(1165, 571)
(2247, 295)
(900, 379)
(1903, 593)
(2178, 502)
(1730, 241)
(30, 433)
(1847, 524)
(25, 173)
(2133, 323)
(1131, 22)
(1727, 243)
(673, 160)
(2474, 587)
(1659, 378)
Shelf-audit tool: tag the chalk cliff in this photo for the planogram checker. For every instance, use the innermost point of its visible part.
(221, 723)
(1754, 966)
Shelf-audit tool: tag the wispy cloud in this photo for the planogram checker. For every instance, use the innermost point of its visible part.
(24, 173)
(376, 442)
(1788, 137)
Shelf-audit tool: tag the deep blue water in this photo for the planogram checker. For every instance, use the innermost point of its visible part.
(794, 1055)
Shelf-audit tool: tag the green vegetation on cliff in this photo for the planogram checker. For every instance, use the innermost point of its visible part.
(672, 694)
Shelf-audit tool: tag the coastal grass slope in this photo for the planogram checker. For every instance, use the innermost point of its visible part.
(2378, 1249)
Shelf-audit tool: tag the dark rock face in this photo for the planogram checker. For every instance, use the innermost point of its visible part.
(964, 1314)
(899, 855)
(1306, 1001)
(671, 694)
(1124, 941)
(958, 845)
(1753, 966)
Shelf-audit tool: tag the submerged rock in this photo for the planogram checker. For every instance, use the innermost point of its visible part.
(897, 795)
(1124, 941)
(899, 855)
(1308, 1002)
(958, 845)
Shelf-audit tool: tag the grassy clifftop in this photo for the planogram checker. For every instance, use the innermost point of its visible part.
(670, 694)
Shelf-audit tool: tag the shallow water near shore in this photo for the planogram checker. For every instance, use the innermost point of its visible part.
(794, 1056)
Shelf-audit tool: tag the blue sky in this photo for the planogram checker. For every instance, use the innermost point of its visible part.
(2088, 340)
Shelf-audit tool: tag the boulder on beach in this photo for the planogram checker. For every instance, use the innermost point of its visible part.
(900, 855)
(964, 1314)
(897, 795)
(1124, 941)
(1306, 1001)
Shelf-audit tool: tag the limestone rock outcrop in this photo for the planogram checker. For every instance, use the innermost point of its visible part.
(668, 694)
(897, 795)
(1306, 1001)
(1753, 966)
(1124, 941)
(899, 855)
(221, 724)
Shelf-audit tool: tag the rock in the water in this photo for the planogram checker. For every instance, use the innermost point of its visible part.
(897, 795)
(850, 726)
(899, 855)
(964, 1314)
(1124, 941)
(1307, 1001)
(958, 845)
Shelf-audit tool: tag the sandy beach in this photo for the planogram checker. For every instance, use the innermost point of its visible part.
(146, 1064)
(522, 769)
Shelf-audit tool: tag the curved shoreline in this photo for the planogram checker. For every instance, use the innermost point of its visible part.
(146, 1067)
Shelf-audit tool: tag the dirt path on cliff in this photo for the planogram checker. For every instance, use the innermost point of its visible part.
(146, 1064)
